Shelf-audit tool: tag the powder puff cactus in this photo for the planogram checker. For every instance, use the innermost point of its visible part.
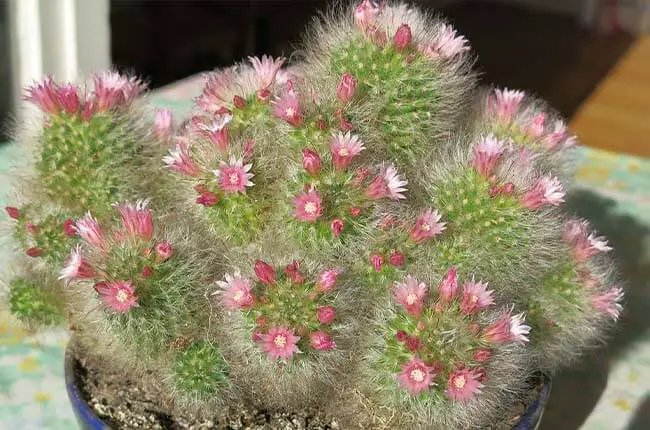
(361, 231)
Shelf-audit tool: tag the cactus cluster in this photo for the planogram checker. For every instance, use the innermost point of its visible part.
(364, 231)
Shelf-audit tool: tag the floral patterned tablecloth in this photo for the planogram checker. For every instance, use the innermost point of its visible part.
(609, 390)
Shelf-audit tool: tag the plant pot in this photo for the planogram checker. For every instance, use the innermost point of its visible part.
(88, 419)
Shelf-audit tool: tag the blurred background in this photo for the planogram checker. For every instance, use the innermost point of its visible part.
(589, 58)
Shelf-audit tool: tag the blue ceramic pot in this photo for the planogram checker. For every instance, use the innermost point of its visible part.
(88, 420)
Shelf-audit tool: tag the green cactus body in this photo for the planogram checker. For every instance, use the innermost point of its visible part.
(36, 303)
(200, 371)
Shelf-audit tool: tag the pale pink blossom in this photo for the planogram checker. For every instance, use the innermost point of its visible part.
(280, 342)
(308, 206)
(266, 69)
(463, 385)
(311, 161)
(90, 231)
(234, 176)
(415, 376)
(427, 225)
(449, 286)
(287, 107)
(216, 91)
(537, 126)
(163, 250)
(118, 295)
(327, 280)
(508, 328)
(411, 294)
(346, 88)
(387, 185)
(76, 266)
(559, 138)
(584, 245)
(321, 341)
(575, 229)
(180, 159)
(217, 130)
(546, 191)
(476, 297)
(446, 44)
(113, 90)
(344, 148)
(609, 302)
(237, 292)
(366, 12)
(505, 103)
(486, 154)
(137, 219)
(45, 95)
(162, 126)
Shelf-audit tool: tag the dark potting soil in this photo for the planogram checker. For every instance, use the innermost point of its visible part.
(125, 404)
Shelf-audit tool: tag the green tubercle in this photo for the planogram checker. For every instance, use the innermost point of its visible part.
(200, 370)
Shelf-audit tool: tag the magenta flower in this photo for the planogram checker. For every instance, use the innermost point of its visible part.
(266, 69)
(163, 250)
(609, 302)
(45, 95)
(411, 294)
(76, 267)
(505, 103)
(180, 159)
(265, 272)
(366, 13)
(326, 314)
(118, 295)
(162, 126)
(346, 88)
(337, 226)
(14, 213)
(427, 225)
(287, 108)
(215, 93)
(403, 37)
(237, 292)
(449, 286)
(327, 280)
(113, 90)
(463, 385)
(280, 342)
(377, 262)
(311, 161)
(90, 231)
(397, 259)
(137, 219)
(69, 228)
(537, 126)
(321, 341)
(308, 206)
(486, 155)
(508, 328)
(415, 376)
(446, 44)
(208, 199)
(344, 148)
(217, 130)
(293, 272)
(234, 177)
(546, 191)
(387, 185)
(476, 296)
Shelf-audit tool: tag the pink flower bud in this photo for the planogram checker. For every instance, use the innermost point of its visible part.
(326, 314)
(163, 250)
(201, 188)
(13, 212)
(239, 102)
(147, 271)
(321, 124)
(401, 336)
(34, 252)
(208, 199)
(345, 125)
(482, 355)
(68, 228)
(355, 211)
(337, 226)
(321, 341)
(257, 336)
(347, 87)
(402, 38)
(327, 280)
(311, 161)
(508, 188)
(265, 272)
(31, 228)
(163, 123)
(293, 272)
(412, 343)
(377, 261)
(248, 149)
(397, 258)
(261, 322)
(263, 95)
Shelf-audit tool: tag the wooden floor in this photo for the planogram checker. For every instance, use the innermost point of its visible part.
(616, 116)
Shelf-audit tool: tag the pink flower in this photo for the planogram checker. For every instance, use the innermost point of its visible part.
(13, 213)
(321, 341)
(411, 294)
(69, 228)
(546, 191)
(344, 148)
(207, 199)
(326, 314)
(427, 225)
(69, 98)
(118, 295)
(113, 90)
(366, 13)
(327, 280)
(31, 228)
(401, 336)
(505, 103)
(482, 355)
(337, 226)
(45, 95)
(463, 385)
(217, 130)
(536, 127)
(403, 37)
(377, 262)
(147, 271)
(216, 93)
(162, 126)
(265, 272)
(180, 159)
(609, 303)
(90, 231)
(266, 69)
(508, 328)
(486, 155)
(311, 161)
(412, 343)
(280, 342)
(34, 252)
(559, 135)
(397, 259)
(476, 296)
(308, 206)
(387, 185)
(347, 87)
(237, 292)
(234, 177)
(293, 272)
(446, 44)
(76, 267)
(137, 219)
(415, 376)
(163, 250)
(583, 246)
(449, 286)
(288, 109)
